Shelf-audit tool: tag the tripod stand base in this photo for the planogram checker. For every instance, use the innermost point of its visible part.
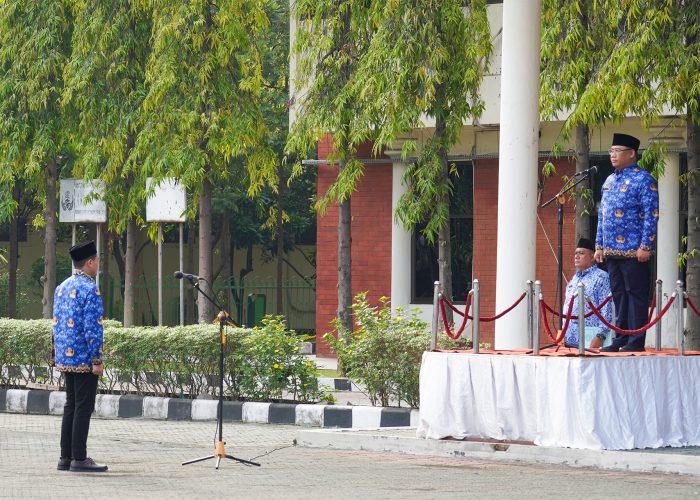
(547, 346)
(219, 453)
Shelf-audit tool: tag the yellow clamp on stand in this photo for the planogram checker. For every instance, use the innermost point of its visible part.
(220, 451)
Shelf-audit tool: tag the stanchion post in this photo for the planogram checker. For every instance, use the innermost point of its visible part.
(659, 297)
(475, 315)
(680, 297)
(436, 298)
(581, 319)
(528, 291)
(536, 319)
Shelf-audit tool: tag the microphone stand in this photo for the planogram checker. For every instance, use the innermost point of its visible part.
(219, 450)
(560, 199)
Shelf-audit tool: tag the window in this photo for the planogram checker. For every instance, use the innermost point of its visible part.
(425, 255)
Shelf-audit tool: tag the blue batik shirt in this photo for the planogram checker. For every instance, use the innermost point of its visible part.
(628, 214)
(77, 320)
(597, 288)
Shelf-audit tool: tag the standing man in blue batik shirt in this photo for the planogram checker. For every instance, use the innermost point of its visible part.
(596, 287)
(626, 239)
(77, 337)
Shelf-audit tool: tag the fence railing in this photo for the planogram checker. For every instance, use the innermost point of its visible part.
(246, 301)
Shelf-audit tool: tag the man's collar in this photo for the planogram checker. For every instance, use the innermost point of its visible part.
(581, 274)
(618, 172)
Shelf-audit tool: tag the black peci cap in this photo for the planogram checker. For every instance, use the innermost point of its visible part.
(585, 243)
(83, 250)
(625, 140)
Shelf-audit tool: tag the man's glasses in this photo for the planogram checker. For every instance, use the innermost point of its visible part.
(617, 151)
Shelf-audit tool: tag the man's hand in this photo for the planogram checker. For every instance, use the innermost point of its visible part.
(596, 343)
(97, 370)
(598, 256)
(643, 255)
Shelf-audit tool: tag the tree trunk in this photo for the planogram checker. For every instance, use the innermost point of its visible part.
(226, 269)
(50, 239)
(583, 199)
(205, 252)
(280, 242)
(693, 263)
(130, 273)
(14, 258)
(345, 264)
(444, 234)
(190, 316)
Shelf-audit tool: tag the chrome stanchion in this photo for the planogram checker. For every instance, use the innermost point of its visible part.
(659, 298)
(536, 319)
(475, 317)
(680, 297)
(581, 319)
(436, 298)
(528, 291)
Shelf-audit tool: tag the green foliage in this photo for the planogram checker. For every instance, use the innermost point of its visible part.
(384, 352)
(261, 363)
(63, 269)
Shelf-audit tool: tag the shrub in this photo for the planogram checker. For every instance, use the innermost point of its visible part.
(261, 363)
(384, 352)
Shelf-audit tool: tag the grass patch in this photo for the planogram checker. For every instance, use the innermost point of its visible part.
(328, 373)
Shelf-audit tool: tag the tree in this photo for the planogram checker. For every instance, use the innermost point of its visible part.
(330, 40)
(105, 83)
(34, 47)
(204, 78)
(577, 37)
(438, 53)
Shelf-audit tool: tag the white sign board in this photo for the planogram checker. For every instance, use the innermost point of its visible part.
(168, 203)
(74, 207)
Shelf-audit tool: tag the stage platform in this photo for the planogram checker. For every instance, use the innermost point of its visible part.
(607, 401)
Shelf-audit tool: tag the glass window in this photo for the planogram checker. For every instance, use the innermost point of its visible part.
(425, 254)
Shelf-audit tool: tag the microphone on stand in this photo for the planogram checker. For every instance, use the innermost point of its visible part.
(192, 277)
(588, 172)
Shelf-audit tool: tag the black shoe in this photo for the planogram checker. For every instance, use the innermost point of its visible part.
(87, 465)
(610, 348)
(632, 348)
(63, 464)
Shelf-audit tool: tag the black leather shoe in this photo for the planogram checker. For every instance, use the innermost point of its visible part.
(610, 348)
(630, 348)
(87, 465)
(63, 464)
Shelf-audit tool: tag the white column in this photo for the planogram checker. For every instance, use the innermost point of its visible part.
(400, 245)
(517, 174)
(668, 242)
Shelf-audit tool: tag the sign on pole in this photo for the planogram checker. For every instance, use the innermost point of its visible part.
(74, 206)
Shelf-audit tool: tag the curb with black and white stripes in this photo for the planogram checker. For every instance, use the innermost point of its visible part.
(41, 402)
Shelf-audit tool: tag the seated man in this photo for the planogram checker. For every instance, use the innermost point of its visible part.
(597, 288)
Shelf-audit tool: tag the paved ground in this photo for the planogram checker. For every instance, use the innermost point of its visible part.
(145, 456)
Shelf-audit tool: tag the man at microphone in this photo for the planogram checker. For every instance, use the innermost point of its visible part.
(626, 239)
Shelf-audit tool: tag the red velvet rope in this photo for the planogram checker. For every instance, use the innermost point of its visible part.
(587, 315)
(652, 308)
(452, 306)
(638, 330)
(486, 319)
(458, 333)
(566, 323)
(691, 305)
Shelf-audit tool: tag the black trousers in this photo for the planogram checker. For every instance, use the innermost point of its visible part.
(81, 389)
(629, 282)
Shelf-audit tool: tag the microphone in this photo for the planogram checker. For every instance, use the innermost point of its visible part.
(192, 277)
(588, 172)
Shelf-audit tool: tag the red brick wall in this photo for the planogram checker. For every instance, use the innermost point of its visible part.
(371, 241)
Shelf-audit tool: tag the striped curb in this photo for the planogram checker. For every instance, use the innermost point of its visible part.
(41, 402)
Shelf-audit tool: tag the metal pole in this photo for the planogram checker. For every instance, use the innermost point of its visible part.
(72, 243)
(160, 274)
(581, 319)
(528, 290)
(436, 297)
(659, 298)
(182, 282)
(476, 314)
(536, 319)
(680, 297)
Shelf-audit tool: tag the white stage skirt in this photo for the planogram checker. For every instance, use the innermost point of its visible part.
(612, 403)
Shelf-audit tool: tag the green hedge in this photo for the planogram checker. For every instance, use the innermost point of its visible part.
(262, 363)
